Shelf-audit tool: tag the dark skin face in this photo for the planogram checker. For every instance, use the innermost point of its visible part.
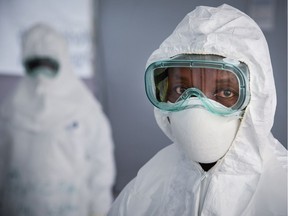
(218, 85)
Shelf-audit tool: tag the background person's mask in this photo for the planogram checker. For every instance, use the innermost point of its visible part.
(42, 78)
(43, 71)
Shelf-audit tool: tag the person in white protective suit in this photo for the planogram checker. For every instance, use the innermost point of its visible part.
(56, 144)
(212, 86)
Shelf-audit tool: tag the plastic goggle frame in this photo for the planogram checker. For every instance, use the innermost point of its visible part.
(239, 69)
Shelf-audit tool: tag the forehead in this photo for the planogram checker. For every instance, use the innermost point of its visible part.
(207, 73)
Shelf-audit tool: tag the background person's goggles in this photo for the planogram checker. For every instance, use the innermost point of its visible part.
(34, 65)
(170, 84)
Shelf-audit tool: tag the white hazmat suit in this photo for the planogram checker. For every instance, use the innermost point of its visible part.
(56, 144)
(251, 178)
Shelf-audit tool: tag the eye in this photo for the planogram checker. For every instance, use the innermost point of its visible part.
(225, 93)
(179, 90)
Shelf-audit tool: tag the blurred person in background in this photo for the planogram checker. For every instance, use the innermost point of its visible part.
(56, 144)
(211, 82)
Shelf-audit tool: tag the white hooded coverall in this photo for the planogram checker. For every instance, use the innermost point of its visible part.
(56, 144)
(251, 179)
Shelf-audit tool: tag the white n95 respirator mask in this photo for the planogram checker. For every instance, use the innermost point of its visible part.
(202, 135)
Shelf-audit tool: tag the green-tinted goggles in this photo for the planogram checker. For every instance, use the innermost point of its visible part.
(33, 65)
(170, 84)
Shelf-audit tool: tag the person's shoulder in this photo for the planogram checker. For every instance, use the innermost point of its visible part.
(164, 158)
(275, 154)
(149, 184)
(158, 168)
(270, 197)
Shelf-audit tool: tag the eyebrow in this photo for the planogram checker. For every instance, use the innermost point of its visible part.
(180, 79)
(225, 80)
(220, 80)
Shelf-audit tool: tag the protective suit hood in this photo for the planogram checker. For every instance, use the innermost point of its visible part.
(41, 41)
(43, 104)
(170, 184)
(235, 35)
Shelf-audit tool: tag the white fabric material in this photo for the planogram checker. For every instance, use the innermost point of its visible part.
(200, 133)
(251, 179)
(56, 144)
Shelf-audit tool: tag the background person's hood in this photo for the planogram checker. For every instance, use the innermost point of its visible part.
(42, 41)
(38, 105)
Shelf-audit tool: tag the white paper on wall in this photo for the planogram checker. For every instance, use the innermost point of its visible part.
(73, 18)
